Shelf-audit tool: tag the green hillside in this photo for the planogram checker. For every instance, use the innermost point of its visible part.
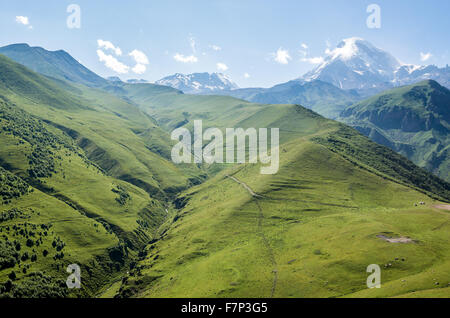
(413, 120)
(84, 180)
(308, 231)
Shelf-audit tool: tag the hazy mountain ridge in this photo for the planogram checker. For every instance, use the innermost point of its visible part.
(58, 64)
(322, 97)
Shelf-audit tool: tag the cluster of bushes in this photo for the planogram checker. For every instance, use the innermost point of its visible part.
(13, 214)
(16, 122)
(34, 285)
(124, 196)
(27, 238)
(8, 255)
(11, 186)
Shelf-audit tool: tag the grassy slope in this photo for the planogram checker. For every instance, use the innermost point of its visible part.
(80, 226)
(315, 225)
(86, 143)
(313, 231)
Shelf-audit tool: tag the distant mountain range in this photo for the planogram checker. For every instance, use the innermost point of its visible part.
(355, 68)
(412, 120)
(198, 83)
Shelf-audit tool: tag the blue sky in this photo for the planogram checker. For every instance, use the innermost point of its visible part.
(241, 38)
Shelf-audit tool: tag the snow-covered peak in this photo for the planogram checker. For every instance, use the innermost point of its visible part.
(355, 64)
(345, 50)
(197, 83)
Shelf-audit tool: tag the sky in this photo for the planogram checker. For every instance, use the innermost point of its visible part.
(257, 43)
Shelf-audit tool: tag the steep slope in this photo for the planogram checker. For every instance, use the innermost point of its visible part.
(57, 208)
(57, 64)
(413, 120)
(198, 82)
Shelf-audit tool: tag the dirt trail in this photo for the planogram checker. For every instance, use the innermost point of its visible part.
(246, 187)
(442, 206)
(261, 233)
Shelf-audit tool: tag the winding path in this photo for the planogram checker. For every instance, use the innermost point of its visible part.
(261, 232)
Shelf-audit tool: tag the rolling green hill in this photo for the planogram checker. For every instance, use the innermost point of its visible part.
(413, 120)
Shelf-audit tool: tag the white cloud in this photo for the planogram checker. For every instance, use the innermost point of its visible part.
(107, 45)
(304, 46)
(22, 20)
(313, 60)
(112, 63)
(282, 56)
(425, 56)
(346, 51)
(139, 57)
(141, 61)
(222, 67)
(185, 59)
(246, 75)
(215, 47)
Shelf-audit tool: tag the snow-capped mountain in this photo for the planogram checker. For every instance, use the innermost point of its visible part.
(197, 83)
(357, 64)
(410, 74)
